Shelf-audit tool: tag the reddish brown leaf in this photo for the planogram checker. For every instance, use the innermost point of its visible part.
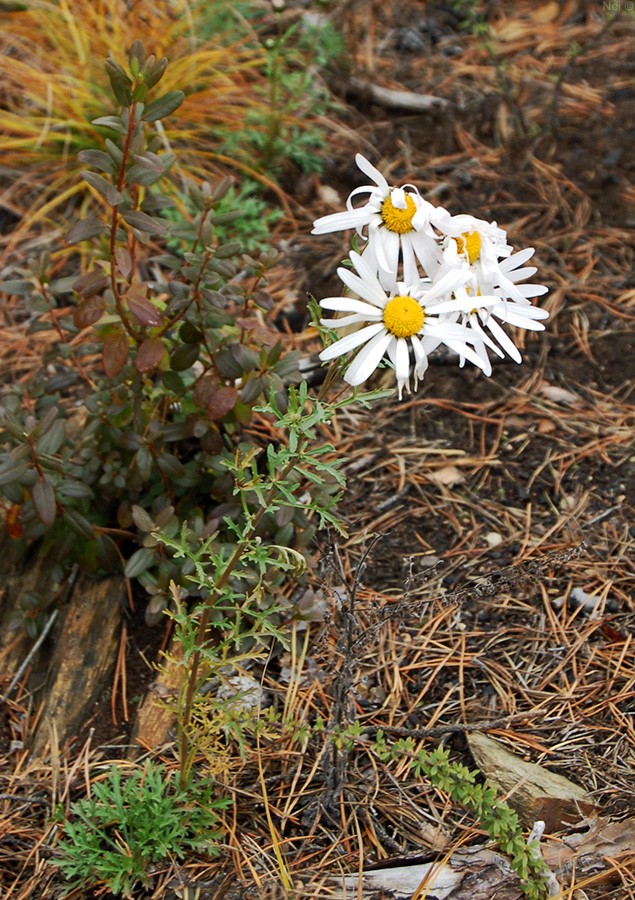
(221, 402)
(92, 283)
(115, 352)
(43, 497)
(144, 311)
(149, 354)
(124, 261)
(203, 389)
(88, 311)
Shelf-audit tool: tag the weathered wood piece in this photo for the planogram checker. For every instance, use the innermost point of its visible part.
(155, 720)
(479, 873)
(533, 791)
(83, 658)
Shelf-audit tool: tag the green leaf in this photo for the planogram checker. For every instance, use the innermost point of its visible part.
(227, 364)
(173, 382)
(138, 53)
(79, 524)
(52, 439)
(139, 562)
(156, 73)
(98, 159)
(103, 187)
(170, 465)
(190, 334)
(140, 93)
(184, 357)
(119, 81)
(163, 106)
(18, 286)
(113, 122)
(12, 471)
(144, 462)
(144, 222)
(75, 489)
(86, 229)
(142, 519)
(43, 497)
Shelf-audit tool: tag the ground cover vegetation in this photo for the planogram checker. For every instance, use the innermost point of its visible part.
(475, 575)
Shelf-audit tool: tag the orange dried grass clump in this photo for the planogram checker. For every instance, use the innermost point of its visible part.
(53, 84)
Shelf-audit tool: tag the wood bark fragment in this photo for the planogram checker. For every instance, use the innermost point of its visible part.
(533, 791)
(155, 720)
(83, 658)
(480, 873)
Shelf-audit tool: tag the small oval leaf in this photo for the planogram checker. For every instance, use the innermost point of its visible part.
(115, 352)
(149, 355)
(163, 106)
(86, 229)
(88, 311)
(43, 497)
(145, 311)
(79, 524)
(139, 562)
(143, 222)
(221, 402)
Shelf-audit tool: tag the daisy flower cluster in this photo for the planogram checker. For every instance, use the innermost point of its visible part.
(424, 278)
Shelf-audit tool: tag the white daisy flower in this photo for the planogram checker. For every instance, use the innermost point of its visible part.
(399, 223)
(481, 320)
(483, 246)
(487, 288)
(421, 315)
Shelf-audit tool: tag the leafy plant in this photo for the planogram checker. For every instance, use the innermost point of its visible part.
(284, 127)
(495, 816)
(116, 836)
(54, 87)
(232, 580)
(166, 355)
(54, 90)
(252, 227)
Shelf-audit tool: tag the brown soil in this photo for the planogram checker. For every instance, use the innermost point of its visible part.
(492, 498)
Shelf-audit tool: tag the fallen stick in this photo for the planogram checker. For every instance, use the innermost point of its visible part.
(480, 873)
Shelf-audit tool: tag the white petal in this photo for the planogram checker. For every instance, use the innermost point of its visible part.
(517, 259)
(344, 321)
(341, 221)
(398, 198)
(517, 275)
(370, 170)
(532, 290)
(421, 358)
(388, 253)
(368, 359)
(504, 340)
(339, 348)
(350, 304)
(367, 288)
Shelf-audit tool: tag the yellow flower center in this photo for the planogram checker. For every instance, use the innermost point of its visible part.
(470, 243)
(398, 220)
(403, 316)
